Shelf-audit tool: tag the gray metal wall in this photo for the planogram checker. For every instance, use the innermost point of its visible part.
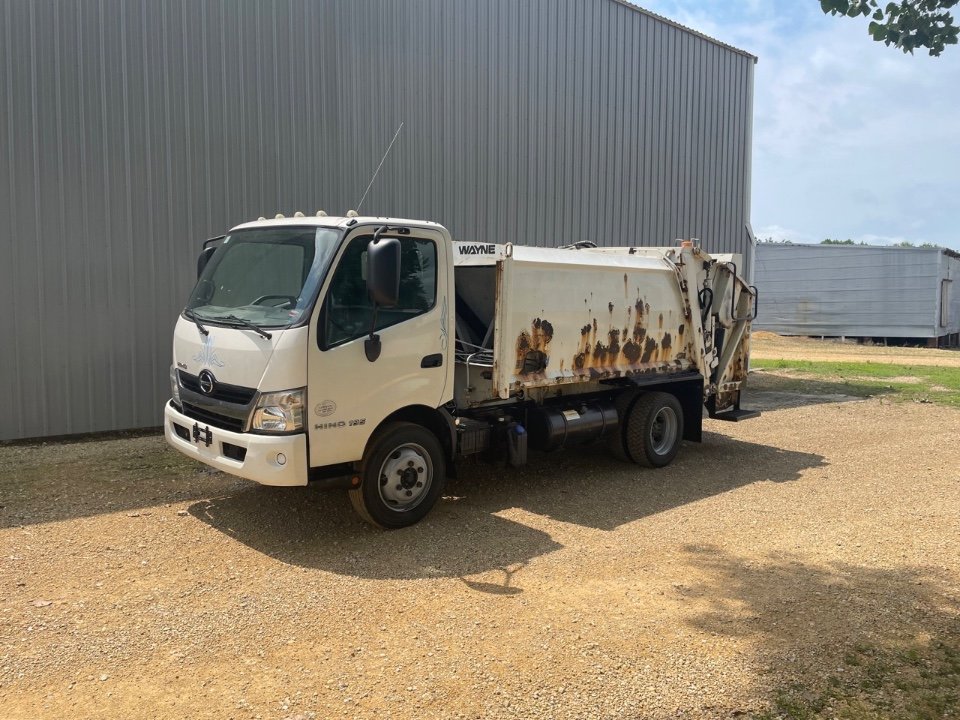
(950, 271)
(131, 130)
(851, 290)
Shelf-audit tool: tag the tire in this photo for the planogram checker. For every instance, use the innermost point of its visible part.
(654, 429)
(616, 442)
(401, 476)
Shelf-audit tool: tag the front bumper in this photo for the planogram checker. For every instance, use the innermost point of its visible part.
(258, 452)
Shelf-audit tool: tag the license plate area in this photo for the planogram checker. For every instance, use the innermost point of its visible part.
(202, 435)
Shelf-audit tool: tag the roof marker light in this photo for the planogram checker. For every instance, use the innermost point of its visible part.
(321, 213)
(261, 218)
(351, 213)
(278, 216)
(298, 214)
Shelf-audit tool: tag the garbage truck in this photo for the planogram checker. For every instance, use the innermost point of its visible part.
(374, 354)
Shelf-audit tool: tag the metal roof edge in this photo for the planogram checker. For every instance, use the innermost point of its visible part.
(674, 23)
(831, 246)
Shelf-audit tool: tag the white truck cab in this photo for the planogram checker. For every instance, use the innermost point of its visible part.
(370, 353)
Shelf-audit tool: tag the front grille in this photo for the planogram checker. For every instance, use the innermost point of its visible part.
(211, 418)
(236, 394)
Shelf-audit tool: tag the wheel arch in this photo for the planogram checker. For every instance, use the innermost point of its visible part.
(438, 422)
(689, 392)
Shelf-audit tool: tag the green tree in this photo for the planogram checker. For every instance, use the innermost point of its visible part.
(908, 24)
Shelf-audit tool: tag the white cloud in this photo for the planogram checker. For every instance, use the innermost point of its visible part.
(851, 138)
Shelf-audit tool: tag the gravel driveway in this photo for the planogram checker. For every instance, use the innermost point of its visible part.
(776, 555)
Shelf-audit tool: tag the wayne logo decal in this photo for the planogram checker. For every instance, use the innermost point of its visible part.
(207, 355)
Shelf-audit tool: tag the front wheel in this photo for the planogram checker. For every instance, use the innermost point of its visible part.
(401, 477)
(654, 429)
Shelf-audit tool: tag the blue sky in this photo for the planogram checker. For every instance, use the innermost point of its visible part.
(851, 139)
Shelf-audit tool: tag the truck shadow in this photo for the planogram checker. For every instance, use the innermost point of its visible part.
(319, 530)
(464, 535)
(588, 487)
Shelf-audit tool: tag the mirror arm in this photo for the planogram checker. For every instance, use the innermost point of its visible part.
(372, 346)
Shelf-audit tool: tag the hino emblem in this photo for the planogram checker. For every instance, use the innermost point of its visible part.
(206, 381)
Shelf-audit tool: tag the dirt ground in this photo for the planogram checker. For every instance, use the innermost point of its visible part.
(797, 555)
(770, 346)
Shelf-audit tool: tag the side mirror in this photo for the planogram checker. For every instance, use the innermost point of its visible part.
(383, 271)
(207, 253)
(383, 283)
(204, 258)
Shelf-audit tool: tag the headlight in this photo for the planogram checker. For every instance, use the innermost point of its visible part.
(280, 411)
(174, 385)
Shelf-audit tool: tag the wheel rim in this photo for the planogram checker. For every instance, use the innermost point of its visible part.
(405, 477)
(663, 431)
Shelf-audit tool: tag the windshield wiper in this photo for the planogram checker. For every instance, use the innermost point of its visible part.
(196, 321)
(234, 320)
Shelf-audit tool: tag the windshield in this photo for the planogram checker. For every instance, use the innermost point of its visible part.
(265, 276)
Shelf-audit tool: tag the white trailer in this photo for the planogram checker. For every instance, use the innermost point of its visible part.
(373, 353)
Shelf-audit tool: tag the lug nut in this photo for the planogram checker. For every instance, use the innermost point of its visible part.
(419, 470)
(399, 487)
(409, 493)
(409, 463)
(419, 484)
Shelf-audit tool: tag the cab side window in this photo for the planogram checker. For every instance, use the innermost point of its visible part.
(348, 312)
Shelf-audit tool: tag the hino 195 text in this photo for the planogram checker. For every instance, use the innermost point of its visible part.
(374, 353)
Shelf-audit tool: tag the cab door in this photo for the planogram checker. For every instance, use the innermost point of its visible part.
(349, 396)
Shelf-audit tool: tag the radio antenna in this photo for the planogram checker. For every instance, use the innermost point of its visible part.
(377, 171)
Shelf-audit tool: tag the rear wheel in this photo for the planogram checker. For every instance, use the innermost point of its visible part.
(616, 441)
(401, 477)
(654, 429)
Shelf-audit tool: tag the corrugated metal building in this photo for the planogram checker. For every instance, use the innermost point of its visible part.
(133, 129)
(858, 291)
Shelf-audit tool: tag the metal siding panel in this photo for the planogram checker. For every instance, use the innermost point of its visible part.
(869, 292)
(133, 130)
(9, 356)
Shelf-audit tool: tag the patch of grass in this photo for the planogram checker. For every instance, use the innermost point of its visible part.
(920, 383)
(921, 682)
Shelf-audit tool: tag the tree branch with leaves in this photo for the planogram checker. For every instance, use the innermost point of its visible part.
(908, 24)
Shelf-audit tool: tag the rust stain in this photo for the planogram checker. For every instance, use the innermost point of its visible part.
(617, 348)
(631, 351)
(649, 347)
(600, 352)
(614, 341)
(542, 332)
(523, 343)
(532, 347)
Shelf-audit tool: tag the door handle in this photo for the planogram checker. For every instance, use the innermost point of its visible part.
(431, 361)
